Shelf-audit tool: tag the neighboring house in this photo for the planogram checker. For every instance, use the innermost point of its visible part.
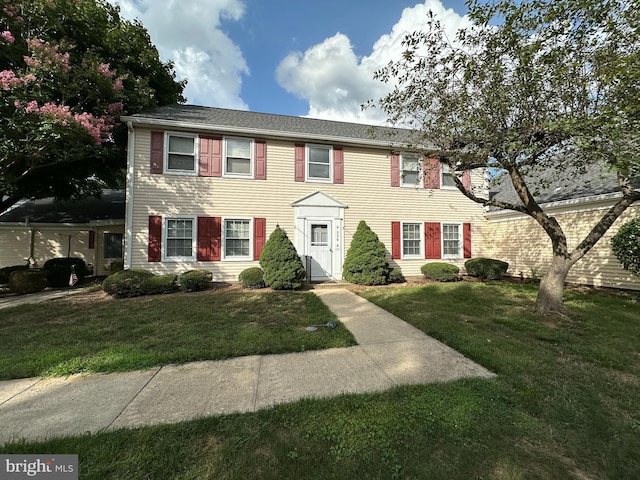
(577, 201)
(92, 229)
(207, 186)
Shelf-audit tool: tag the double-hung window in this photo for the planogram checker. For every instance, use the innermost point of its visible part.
(181, 153)
(412, 240)
(179, 239)
(319, 162)
(447, 176)
(238, 157)
(237, 239)
(112, 245)
(410, 171)
(451, 240)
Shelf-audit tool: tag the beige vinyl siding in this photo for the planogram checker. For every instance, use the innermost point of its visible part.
(522, 242)
(14, 246)
(366, 192)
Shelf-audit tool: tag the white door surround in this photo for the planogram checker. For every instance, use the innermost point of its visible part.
(318, 235)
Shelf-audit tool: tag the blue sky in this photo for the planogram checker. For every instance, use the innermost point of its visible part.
(292, 57)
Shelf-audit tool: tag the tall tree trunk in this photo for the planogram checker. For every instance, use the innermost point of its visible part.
(549, 300)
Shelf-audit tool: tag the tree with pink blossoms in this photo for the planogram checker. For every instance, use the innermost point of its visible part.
(68, 70)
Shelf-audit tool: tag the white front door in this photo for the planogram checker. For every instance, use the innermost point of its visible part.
(319, 249)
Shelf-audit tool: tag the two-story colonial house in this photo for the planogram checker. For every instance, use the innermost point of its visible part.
(206, 187)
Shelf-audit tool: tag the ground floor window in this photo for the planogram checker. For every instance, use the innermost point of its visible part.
(112, 245)
(237, 238)
(179, 240)
(451, 240)
(411, 240)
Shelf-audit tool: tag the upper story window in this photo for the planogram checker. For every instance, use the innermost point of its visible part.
(451, 240)
(447, 176)
(179, 239)
(181, 153)
(410, 171)
(319, 162)
(412, 240)
(238, 157)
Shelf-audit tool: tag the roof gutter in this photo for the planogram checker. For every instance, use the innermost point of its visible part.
(258, 132)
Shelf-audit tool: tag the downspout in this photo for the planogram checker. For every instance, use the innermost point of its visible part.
(128, 220)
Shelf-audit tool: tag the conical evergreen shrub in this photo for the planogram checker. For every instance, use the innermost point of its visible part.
(281, 265)
(366, 262)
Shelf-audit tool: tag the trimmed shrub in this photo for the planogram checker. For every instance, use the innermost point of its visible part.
(281, 266)
(625, 245)
(158, 284)
(252, 278)
(440, 271)
(366, 261)
(116, 266)
(395, 276)
(27, 281)
(59, 270)
(6, 272)
(195, 280)
(486, 268)
(126, 283)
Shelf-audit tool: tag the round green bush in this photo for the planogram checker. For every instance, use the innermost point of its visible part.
(126, 283)
(440, 271)
(252, 278)
(626, 246)
(366, 261)
(27, 281)
(486, 268)
(7, 271)
(195, 280)
(158, 284)
(59, 270)
(280, 262)
(395, 276)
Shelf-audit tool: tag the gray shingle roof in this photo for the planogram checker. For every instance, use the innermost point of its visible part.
(110, 206)
(269, 124)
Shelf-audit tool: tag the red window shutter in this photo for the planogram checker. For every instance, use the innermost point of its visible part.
(260, 158)
(338, 165)
(466, 179)
(205, 162)
(466, 239)
(299, 161)
(396, 251)
(205, 239)
(431, 172)
(157, 152)
(395, 171)
(216, 157)
(155, 239)
(92, 239)
(259, 236)
(432, 248)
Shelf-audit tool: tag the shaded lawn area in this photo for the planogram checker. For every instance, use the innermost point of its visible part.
(565, 405)
(95, 333)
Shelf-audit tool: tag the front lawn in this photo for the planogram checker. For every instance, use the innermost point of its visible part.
(95, 333)
(565, 405)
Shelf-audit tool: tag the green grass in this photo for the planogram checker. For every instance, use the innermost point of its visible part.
(98, 334)
(565, 405)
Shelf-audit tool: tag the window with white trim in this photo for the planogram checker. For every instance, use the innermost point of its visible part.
(451, 240)
(238, 157)
(112, 245)
(180, 238)
(237, 238)
(446, 176)
(410, 168)
(181, 152)
(319, 162)
(412, 240)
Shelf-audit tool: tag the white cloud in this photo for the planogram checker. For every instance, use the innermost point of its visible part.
(336, 82)
(189, 34)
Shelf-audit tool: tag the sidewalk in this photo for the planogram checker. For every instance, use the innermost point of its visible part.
(39, 297)
(390, 352)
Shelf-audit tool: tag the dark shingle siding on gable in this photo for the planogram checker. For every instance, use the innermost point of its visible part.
(282, 125)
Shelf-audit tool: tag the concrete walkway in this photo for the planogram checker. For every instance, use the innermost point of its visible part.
(390, 352)
(7, 301)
